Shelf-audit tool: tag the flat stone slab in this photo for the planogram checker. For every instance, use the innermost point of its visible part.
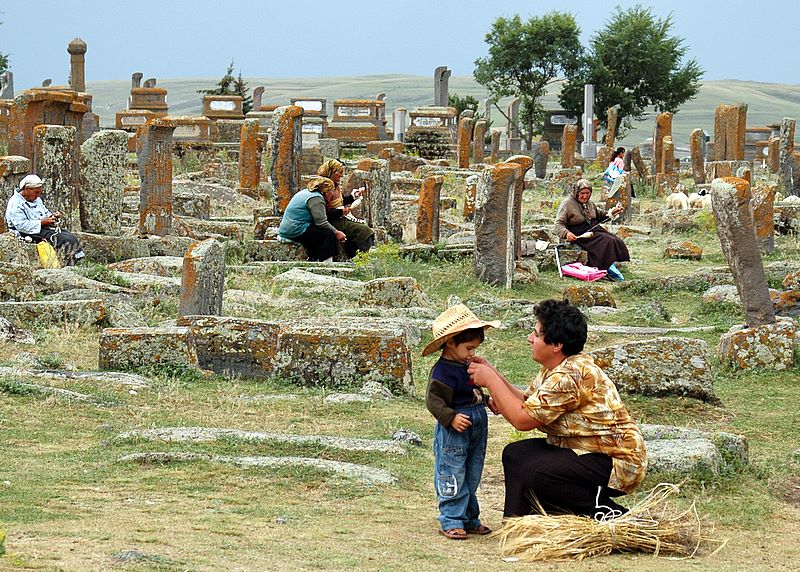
(54, 312)
(154, 265)
(24, 388)
(770, 346)
(364, 473)
(130, 380)
(646, 331)
(208, 434)
(141, 282)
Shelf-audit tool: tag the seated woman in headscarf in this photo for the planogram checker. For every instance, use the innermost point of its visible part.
(578, 221)
(304, 221)
(360, 237)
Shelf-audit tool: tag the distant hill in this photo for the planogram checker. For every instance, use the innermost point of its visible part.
(767, 102)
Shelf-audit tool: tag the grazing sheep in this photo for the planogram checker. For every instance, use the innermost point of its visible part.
(677, 200)
(700, 200)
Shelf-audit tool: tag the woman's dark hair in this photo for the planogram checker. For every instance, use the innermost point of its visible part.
(619, 152)
(562, 323)
(469, 335)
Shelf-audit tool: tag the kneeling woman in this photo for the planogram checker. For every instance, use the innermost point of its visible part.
(360, 237)
(577, 215)
(304, 221)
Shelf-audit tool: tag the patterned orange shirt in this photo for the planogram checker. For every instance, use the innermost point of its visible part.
(580, 409)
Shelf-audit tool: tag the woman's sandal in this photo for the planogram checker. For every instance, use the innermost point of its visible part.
(454, 533)
(481, 530)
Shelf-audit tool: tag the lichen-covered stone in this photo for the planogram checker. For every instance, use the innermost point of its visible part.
(203, 279)
(131, 348)
(54, 312)
(12, 169)
(399, 161)
(769, 346)
(394, 292)
(103, 167)
(272, 250)
(286, 154)
(194, 205)
(589, 294)
(683, 250)
(16, 281)
(494, 220)
(56, 162)
(155, 265)
(428, 211)
(792, 281)
(105, 249)
(663, 366)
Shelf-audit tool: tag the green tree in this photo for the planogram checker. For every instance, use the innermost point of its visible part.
(636, 63)
(230, 85)
(463, 103)
(3, 60)
(525, 57)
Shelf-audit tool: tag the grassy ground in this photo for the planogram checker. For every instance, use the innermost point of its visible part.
(66, 503)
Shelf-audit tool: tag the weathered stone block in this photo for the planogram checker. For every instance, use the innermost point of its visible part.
(194, 205)
(678, 449)
(589, 295)
(11, 250)
(394, 292)
(16, 281)
(663, 366)
(234, 346)
(54, 312)
(103, 168)
(683, 250)
(203, 279)
(131, 348)
(105, 249)
(335, 354)
(153, 265)
(270, 250)
(768, 346)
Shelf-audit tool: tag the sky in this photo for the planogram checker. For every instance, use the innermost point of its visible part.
(167, 39)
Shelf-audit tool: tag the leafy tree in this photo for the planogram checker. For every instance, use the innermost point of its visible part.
(525, 57)
(463, 103)
(230, 85)
(3, 60)
(634, 62)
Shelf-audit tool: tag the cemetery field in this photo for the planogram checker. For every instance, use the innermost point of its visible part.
(84, 486)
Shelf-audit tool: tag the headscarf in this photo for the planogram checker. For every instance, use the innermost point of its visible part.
(579, 186)
(330, 167)
(30, 181)
(320, 184)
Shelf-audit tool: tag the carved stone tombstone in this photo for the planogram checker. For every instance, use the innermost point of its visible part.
(441, 86)
(428, 210)
(465, 125)
(786, 149)
(154, 148)
(250, 158)
(541, 155)
(104, 163)
(514, 141)
(729, 132)
(287, 145)
(55, 161)
(7, 85)
(479, 135)
(569, 138)
(525, 164)
(469, 197)
(696, 144)
(378, 200)
(203, 279)
(494, 219)
(77, 60)
(258, 94)
(612, 123)
(663, 129)
(764, 215)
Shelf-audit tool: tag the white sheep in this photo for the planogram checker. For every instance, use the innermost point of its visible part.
(677, 200)
(700, 200)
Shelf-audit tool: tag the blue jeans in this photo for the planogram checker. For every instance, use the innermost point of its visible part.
(458, 466)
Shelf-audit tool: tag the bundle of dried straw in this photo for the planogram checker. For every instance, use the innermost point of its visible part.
(651, 526)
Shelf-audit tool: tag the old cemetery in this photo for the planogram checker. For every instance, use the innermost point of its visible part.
(197, 395)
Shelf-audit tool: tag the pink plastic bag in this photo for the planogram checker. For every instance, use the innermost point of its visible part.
(582, 272)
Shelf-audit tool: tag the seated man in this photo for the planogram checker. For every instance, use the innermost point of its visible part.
(27, 215)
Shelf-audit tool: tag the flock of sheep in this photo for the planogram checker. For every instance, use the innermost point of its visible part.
(679, 201)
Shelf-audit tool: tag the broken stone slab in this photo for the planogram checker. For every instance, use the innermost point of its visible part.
(46, 313)
(367, 474)
(155, 265)
(201, 229)
(263, 267)
(208, 434)
(54, 280)
(128, 380)
(335, 287)
(224, 199)
(140, 282)
(122, 349)
(662, 366)
(683, 450)
(589, 294)
(104, 248)
(646, 331)
(194, 205)
(393, 292)
(769, 346)
(12, 250)
(16, 281)
(273, 250)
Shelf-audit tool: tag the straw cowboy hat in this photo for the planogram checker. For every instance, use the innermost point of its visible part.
(452, 321)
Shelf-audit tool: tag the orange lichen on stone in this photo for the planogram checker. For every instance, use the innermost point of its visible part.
(569, 137)
(428, 210)
(285, 166)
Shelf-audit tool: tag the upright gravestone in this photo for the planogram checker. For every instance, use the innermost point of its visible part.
(786, 149)
(469, 197)
(612, 121)
(465, 125)
(287, 145)
(104, 163)
(203, 279)
(428, 211)
(55, 162)
(12, 170)
(773, 154)
(764, 215)
(569, 138)
(525, 164)
(729, 132)
(441, 86)
(250, 159)
(541, 155)
(154, 150)
(762, 341)
(514, 141)
(7, 85)
(399, 120)
(696, 144)
(494, 216)
(494, 146)
(663, 129)
(638, 162)
(258, 94)
(479, 135)
(589, 145)
(378, 200)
